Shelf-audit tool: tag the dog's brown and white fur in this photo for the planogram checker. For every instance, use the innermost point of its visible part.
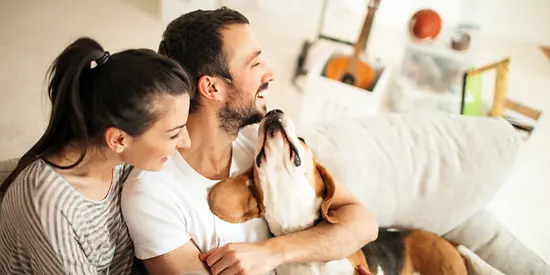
(293, 192)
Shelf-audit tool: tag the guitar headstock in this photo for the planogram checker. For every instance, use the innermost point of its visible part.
(374, 4)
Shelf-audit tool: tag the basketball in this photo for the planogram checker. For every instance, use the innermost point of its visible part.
(425, 24)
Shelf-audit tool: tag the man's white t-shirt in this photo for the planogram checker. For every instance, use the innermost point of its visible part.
(166, 209)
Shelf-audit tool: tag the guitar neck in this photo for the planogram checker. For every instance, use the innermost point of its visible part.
(363, 37)
(365, 33)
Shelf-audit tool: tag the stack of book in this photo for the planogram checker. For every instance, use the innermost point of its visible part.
(522, 117)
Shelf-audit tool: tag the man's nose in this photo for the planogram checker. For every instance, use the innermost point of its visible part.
(268, 76)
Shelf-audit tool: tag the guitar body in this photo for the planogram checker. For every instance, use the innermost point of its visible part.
(351, 69)
(362, 77)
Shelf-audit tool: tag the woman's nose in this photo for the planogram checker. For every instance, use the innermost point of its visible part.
(184, 141)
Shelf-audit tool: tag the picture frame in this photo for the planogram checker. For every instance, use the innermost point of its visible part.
(472, 102)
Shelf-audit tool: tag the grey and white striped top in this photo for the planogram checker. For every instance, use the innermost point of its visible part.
(47, 227)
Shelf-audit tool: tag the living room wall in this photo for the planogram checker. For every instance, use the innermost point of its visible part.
(526, 20)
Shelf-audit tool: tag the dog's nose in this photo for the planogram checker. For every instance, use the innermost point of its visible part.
(275, 112)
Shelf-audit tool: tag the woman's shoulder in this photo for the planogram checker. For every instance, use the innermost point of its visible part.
(36, 176)
(34, 194)
(121, 173)
(37, 186)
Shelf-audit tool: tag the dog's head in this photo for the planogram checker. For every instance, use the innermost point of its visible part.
(282, 158)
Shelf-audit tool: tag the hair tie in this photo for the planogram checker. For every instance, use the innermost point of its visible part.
(100, 61)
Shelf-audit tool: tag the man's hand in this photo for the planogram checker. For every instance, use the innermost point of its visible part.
(247, 259)
(241, 258)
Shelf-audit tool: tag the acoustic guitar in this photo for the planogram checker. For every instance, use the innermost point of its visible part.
(351, 69)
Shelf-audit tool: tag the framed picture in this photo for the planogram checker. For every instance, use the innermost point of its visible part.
(484, 90)
(484, 93)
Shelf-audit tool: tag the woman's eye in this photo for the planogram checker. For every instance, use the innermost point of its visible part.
(255, 64)
(175, 136)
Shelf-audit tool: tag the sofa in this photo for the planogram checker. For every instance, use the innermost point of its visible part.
(433, 171)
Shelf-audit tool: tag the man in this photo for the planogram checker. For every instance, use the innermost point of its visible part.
(167, 213)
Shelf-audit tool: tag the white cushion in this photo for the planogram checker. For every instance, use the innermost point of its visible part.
(431, 171)
(491, 241)
(6, 167)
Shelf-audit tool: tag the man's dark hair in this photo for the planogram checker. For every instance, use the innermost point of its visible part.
(194, 40)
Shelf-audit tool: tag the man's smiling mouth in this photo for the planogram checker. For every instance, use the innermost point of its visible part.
(262, 90)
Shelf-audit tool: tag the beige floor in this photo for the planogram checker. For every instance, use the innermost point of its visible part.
(33, 32)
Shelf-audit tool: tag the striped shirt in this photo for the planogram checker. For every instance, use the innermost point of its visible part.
(47, 227)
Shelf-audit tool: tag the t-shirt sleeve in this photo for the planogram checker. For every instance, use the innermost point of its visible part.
(154, 224)
(48, 237)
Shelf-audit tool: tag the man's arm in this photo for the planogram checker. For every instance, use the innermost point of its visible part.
(183, 260)
(356, 227)
(323, 242)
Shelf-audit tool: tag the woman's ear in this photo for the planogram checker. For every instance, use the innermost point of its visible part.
(237, 199)
(116, 139)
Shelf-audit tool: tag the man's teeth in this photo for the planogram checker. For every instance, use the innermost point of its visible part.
(261, 94)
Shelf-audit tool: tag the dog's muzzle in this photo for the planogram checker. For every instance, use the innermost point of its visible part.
(274, 121)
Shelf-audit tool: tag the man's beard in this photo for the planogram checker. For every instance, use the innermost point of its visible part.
(233, 117)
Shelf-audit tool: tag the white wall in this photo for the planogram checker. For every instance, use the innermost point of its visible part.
(171, 9)
(527, 20)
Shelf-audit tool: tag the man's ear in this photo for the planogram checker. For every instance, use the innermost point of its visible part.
(208, 87)
(237, 199)
(328, 193)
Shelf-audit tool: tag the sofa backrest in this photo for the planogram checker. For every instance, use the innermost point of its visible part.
(432, 171)
(6, 166)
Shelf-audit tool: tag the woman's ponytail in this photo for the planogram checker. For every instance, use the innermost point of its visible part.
(91, 91)
(68, 74)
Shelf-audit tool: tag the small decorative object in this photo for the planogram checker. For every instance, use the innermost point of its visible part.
(428, 80)
(460, 41)
(425, 24)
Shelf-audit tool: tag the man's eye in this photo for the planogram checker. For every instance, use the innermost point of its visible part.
(255, 64)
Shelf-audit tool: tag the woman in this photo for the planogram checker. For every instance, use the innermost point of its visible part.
(60, 210)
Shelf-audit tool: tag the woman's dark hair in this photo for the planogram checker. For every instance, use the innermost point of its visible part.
(91, 90)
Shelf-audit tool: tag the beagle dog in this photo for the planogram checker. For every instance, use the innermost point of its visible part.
(293, 191)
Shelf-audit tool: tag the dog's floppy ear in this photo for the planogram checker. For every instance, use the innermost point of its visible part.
(237, 199)
(329, 190)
